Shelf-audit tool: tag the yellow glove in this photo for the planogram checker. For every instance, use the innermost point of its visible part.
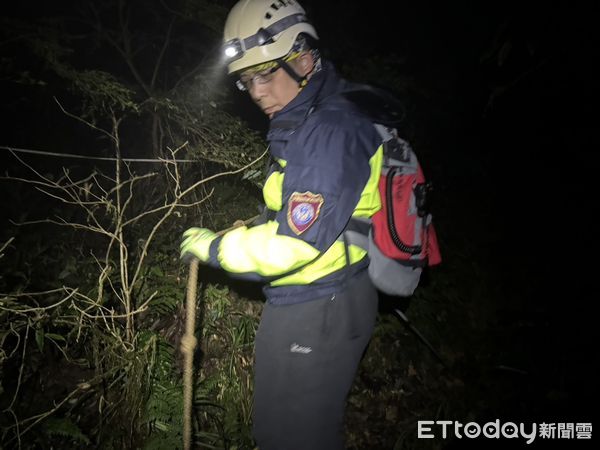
(196, 242)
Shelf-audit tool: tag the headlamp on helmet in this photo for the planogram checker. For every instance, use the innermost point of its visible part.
(233, 50)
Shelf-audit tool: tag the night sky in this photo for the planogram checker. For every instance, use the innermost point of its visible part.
(499, 104)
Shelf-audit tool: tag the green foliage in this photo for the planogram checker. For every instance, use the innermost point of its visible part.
(175, 103)
(125, 392)
(68, 432)
(163, 409)
(194, 114)
(101, 92)
(229, 327)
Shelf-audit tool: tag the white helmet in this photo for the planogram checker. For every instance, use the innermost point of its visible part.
(259, 31)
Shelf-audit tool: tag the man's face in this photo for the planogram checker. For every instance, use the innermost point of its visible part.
(273, 89)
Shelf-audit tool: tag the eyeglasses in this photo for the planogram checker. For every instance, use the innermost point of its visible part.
(263, 77)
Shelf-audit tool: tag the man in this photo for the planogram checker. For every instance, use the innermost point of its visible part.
(321, 306)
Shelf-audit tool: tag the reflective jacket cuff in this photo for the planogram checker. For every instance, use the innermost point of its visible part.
(213, 252)
(213, 261)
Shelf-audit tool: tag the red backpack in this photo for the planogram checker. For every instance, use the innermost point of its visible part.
(400, 238)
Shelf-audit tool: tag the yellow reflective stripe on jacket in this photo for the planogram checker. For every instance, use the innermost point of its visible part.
(335, 257)
(370, 201)
(272, 191)
(368, 204)
(261, 250)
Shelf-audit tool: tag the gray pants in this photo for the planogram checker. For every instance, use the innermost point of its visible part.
(306, 359)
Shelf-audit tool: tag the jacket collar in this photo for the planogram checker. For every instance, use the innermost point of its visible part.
(321, 85)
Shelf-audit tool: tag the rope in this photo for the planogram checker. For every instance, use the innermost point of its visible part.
(189, 341)
(188, 345)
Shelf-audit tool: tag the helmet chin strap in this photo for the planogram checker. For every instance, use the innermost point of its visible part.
(292, 73)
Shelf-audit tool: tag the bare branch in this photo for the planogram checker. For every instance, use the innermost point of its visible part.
(126, 51)
(40, 309)
(162, 53)
(6, 244)
(111, 315)
(222, 174)
(38, 418)
(64, 223)
(89, 124)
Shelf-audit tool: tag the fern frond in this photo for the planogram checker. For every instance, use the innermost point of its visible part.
(65, 428)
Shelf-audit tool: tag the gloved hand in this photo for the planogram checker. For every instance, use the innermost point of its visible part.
(196, 242)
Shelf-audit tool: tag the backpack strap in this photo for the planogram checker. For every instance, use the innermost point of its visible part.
(357, 232)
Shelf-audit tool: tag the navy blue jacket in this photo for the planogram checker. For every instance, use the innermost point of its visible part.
(326, 145)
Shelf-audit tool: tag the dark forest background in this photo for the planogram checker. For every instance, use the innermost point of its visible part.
(498, 107)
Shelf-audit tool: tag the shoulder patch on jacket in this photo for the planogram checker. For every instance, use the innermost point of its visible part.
(303, 210)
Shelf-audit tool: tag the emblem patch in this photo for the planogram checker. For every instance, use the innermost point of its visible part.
(303, 210)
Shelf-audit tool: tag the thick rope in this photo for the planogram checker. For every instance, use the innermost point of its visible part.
(189, 341)
(188, 345)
